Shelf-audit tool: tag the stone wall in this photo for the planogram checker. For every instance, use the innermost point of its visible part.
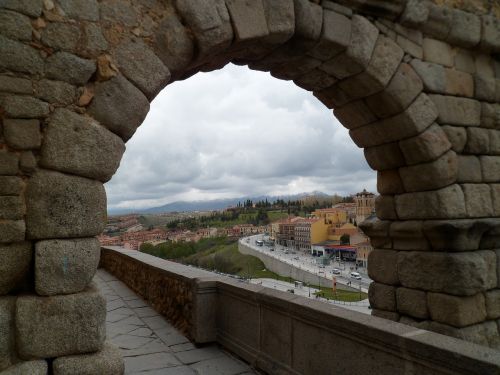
(416, 83)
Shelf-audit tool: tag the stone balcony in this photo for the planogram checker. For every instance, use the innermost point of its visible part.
(218, 321)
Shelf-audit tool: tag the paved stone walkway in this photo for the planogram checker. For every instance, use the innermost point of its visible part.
(151, 345)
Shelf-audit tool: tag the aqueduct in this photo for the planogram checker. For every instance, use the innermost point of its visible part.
(417, 83)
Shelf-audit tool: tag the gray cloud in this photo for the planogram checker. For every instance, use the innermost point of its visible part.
(236, 132)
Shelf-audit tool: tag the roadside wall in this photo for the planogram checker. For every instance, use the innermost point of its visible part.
(285, 269)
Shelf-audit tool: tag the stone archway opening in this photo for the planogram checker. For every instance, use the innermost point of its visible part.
(418, 93)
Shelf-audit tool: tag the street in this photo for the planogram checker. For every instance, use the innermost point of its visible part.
(308, 263)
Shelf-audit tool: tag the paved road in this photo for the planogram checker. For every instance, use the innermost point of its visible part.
(151, 345)
(307, 262)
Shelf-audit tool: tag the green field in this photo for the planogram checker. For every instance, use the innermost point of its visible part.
(341, 295)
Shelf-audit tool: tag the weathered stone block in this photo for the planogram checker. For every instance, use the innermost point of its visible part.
(494, 142)
(248, 19)
(56, 67)
(107, 361)
(460, 274)
(490, 167)
(173, 44)
(383, 64)
(65, 266)
(433, 76)
(436, 51)
(458, 83)
(484, 65)
(384, 206)
(415, 14)
(19, 57)
(142, 67)
(492, 299)
(315, 80)
(24, 107)
(490, 38)
(490, 116)
(93, 39)
(433, 175)
(357, 56)
(354, 114)
(455, 235)
(402, 90)
(280, 19)
(382, 266)
(457, 111)
(483, 334)
(414, 120)
(484, 88)
(457, 136)
(7, 331)
(384, 157)
(377, 230)
(60, 205)
(87, 10)
(11, 208)
(9, 163)
(412, 302)
(478, 200)
(10, 185)
(210, 23)
(334, 38)
(22, 134)
(31, 8)
(495, 196)
(408, 235)
(464, 61)
(389, 182)
(295, 68)
(30, 367)
(118, 11)
(15, 261)
(438, 22)
(456, 311)
(27, 162)
(446, 203)
(61, 36)
(426, 146)
(15, 85)
(56, 92)
(466, 30)
(12, 231)
(14, 25)
(469, 169)
(382, 296)
(75, 144)
(410, 47)
(119, 106)
(43, 324)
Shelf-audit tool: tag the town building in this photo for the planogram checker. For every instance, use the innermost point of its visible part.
(365, 205)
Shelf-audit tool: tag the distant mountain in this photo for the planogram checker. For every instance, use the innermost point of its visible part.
(211, 205)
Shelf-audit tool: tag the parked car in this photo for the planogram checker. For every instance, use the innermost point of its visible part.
(336, 271)
(355, 275)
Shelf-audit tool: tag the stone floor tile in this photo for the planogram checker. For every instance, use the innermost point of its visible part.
(113, 317)
(145, 312)
(131, 342)
(155, 346)
(137, 302)
(201, 354)
(177, 370)
(104, 275)
(150, 362)
(133, 320)
(171, 337)
(156, 322)
(113, 305)
(143, 332)
(182, 347)
(220, 366)
(113, 330)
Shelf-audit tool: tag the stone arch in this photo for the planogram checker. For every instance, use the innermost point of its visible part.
(420, 96)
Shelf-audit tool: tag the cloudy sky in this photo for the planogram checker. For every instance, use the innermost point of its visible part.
(233, 133)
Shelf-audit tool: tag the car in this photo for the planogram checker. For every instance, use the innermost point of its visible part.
(321, 266)
(296, 258)
(355, 275)
(336, 271)
(286, 252)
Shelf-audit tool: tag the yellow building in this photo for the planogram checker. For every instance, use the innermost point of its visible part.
(332, 216)
(309, 231)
